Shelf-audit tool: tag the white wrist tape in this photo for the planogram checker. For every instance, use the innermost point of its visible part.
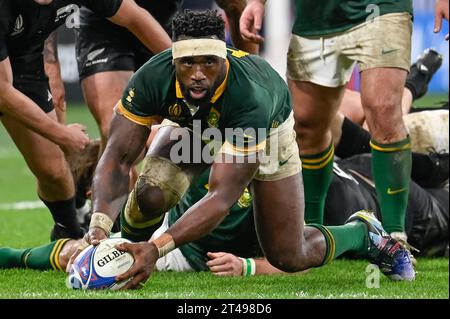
(165, 244)
(103, 221)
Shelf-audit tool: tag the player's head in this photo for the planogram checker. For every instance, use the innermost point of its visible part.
(199, 54)
(43, 2)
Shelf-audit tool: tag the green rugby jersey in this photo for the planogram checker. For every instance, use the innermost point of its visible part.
(316, 18)
(252, 96)
(236, 234)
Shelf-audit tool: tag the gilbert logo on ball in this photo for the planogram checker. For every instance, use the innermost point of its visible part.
(96, 267)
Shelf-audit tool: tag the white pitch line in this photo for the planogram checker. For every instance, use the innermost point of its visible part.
(22, 205)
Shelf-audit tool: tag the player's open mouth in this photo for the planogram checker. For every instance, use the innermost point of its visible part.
(197, 92)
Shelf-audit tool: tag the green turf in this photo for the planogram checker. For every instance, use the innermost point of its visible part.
(341, 279)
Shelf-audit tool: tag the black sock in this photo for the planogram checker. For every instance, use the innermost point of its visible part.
(80, 200)
(64, 214)
(354, 140)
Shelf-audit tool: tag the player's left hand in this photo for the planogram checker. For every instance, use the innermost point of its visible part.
(224, 264)
(145, 256)
(441, 12)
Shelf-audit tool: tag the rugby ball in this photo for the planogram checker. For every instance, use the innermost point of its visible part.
(96, 267)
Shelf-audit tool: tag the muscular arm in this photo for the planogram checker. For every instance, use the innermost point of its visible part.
(142, 25)
(111, 178)
(17, 105)
(233, 10)
(53, 71)
(226, 183)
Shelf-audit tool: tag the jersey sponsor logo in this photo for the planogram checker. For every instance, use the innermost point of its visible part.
(391, 191)
(18, 26)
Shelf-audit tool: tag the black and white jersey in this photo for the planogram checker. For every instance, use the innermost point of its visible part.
(162, 11)
(25, 25)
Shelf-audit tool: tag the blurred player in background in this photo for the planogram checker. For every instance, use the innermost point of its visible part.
(25, 96)
(325, 46)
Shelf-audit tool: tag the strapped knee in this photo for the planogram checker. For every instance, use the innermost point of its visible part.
(159, 187)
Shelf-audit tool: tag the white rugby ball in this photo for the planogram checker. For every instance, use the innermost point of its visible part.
(96, 267)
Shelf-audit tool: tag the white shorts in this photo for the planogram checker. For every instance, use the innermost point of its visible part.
(174, 260)
(384, 42)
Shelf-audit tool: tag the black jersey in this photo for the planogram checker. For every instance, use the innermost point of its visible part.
(162, 11)
(353, 189)
(25, 25)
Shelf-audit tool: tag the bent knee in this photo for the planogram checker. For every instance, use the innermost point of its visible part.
(288, 262)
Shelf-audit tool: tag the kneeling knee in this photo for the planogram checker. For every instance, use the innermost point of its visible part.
(288, 262)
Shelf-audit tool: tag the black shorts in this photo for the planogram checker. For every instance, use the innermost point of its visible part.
(103, 47)
(36, 90)
(30, 79)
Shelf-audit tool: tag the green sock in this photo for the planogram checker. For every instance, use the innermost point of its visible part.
(42, 258)
(351, 237)
(391, 168)
(137, 234)
(317, 177)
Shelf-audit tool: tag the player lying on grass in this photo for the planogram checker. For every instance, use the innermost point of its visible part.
(350, 191)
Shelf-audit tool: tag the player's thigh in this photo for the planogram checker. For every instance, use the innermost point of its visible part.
(42, 156)
(314, 107)
(381, 95)
(279, 215)
(103, 90)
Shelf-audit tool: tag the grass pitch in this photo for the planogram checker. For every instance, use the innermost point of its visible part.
(22, 227)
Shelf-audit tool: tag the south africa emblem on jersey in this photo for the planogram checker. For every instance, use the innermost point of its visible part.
(175, 110)
(246, 199)
(213, 117)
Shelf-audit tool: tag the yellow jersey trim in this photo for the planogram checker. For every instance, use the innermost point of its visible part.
(141, 120)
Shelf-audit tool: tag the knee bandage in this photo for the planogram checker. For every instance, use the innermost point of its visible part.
(168, 177)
